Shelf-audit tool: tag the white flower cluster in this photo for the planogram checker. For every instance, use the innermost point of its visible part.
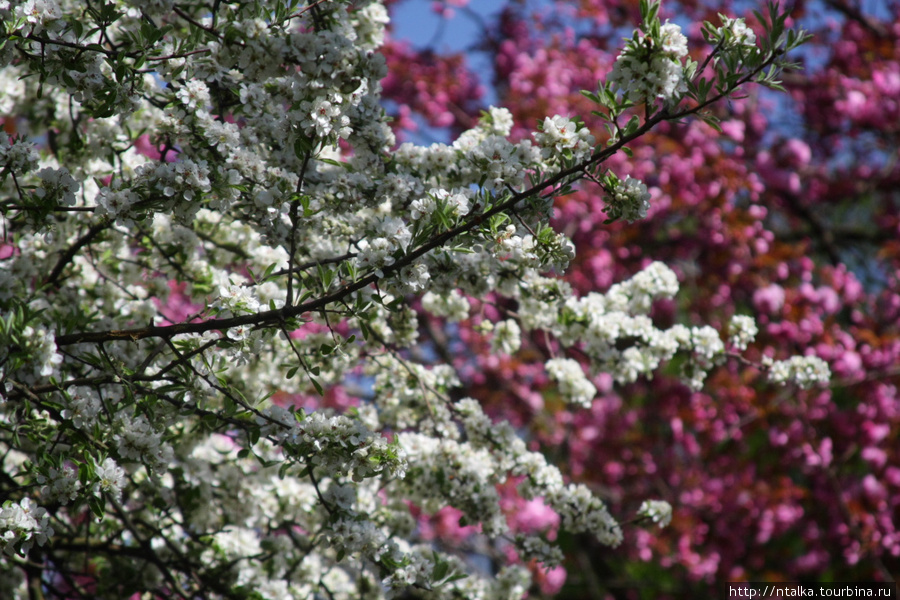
(183, 180)
(194, 96)
(339, 445)
(110, 479)
(247, 148)
(561, 136)
(484, 153)
(326, 116)
(451, 305)
(17, 155)
(82, 407)
(616, 332)
(413, 279)
(45, 359)
(417, 573)
(361, 536)
(502, 162)
(59, 485)
(805, 371)
(507, 337)
(115, 200)
(742, 331)
(389, 234)
(470, 486)
(372, 19)
(499, 120)
(651, 68)
(57, 185)
(629, 200)
(454, 204)
(23, 524)
(398, 326)
(537, 548)
(235, 542)
(736, 33)
(236, 299)
(406, 392)
(659, 511)
(579, 510)
(573, 384)
(138, 441)
(479, 154)
(176, 186)
(517, 244)
(38, 13)
(654, 282)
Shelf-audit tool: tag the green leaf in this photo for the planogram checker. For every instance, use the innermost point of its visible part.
(98, 506)
(633, 125)
(302, 147)
(268, 272)
(440, 570)
(85, 473)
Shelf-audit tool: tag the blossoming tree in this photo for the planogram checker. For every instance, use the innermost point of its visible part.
(216, 269)
(789, 214)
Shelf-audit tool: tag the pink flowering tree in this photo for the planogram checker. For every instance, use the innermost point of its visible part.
(252, 347)
(786, 212)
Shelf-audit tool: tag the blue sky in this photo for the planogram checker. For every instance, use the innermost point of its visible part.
(416, 21)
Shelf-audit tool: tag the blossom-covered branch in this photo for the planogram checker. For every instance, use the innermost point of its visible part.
(276, 427)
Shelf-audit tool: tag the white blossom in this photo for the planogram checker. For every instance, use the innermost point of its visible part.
(57, 184)
(650, 68)
(629, 200)
(672, 41)
(166, 196)
(805, 371)
(110, 479)
(452, 305)
(507, 337)
(23, 524)
(38, 13)
(60, 485)
(83, 407)
(742, 331)
(560, 135)
(573, 384)
(18, 155)
(736, 33)
(659, 511)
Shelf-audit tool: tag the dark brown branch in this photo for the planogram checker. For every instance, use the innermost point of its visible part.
(821, 233)
(71, 251)
(295, 223)
(853, 13)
